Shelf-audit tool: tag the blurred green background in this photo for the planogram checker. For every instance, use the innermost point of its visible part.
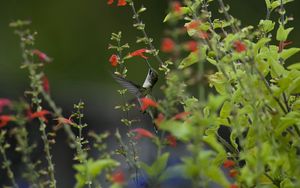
(76, 35)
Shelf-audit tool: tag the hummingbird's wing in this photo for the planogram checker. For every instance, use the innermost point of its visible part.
(133, 88)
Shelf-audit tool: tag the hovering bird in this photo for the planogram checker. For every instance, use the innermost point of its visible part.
(141, 91)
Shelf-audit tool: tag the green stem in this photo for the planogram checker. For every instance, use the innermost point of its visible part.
(149, 42)
(6, 164)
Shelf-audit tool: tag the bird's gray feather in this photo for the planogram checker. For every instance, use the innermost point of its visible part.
(133, 88)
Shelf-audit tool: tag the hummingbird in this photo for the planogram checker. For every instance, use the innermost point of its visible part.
(141, 91)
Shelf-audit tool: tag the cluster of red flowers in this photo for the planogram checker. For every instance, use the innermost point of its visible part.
(118, 177)
(167, 45)
(176, 7)
(5, 119)
(120, 2)
(229, 164)
(239, 46)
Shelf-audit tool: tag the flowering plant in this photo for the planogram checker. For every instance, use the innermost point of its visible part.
(229, 110)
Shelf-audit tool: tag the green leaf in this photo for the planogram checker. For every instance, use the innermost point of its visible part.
(295, 66)
(192, 58)
(287, 183)
(294, 86)
(285, 54)
(180, 130)
(268, 4)
(212, 61)
(226, 109)
(288, 120)
(266, 25)
(87, 172)
(175, 16)
(276, 4)
(282, 34)
(157, 168)
(220, 24)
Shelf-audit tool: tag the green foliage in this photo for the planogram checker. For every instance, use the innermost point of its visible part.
(253, 94)
(87, 172)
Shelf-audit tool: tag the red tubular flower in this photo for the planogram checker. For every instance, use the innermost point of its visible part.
(62, 120)
(114, 59)
(239, 46)
(181, 115)
(147, 102)
(191, 45)
(109, 2)
(122, 3)
(176, 6)
(142, 133)
(3, 103)
(203, 35)
(46, 85)
(140, 53)
(171, 140)
(4, 119)
(193, 24)
(228, 163)
(233, 173)
(167, 45)
(41, 55)
(234, 186)
(39, 114)
(118, 177)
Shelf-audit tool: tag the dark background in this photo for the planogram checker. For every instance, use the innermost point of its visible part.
(76, 34)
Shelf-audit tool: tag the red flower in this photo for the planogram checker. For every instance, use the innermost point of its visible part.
(203, 35)
(171, 140)
(4, 103)
(142, 133)
(122, 3)
(118, 177)
(140, 53)
(160, 118)
(42, 56)
(61, 121)
(4, 119)
(191, 45)
(64, 120)
(228, 163)
(109, 2)
(193, 24)
(233, 173)
(239, 46)
(46, 85)
(233, 186)
(176, 6)
(181, 115)
(39, 114)
(167, 45)
(147, 102)
(114, 59)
